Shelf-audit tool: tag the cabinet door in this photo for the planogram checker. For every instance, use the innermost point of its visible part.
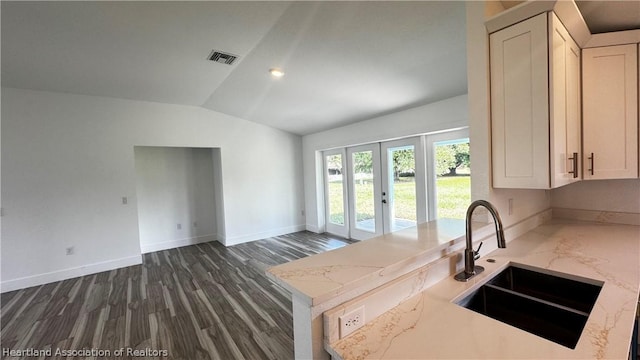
(520, 105)
(564, 102)
(610, 112)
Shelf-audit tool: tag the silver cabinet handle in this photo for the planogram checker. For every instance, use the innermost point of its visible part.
(591, 161)
(574, 160)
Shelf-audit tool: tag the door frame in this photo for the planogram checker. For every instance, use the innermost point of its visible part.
(420, 181)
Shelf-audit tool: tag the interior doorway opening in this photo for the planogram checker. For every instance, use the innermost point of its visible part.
(179, 196)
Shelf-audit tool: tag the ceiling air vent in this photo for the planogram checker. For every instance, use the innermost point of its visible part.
(222, 57)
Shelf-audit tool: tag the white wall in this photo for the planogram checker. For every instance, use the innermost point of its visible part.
(174, 185)
(525, 202)
(67, 160)
(443, 115)
(599, 195)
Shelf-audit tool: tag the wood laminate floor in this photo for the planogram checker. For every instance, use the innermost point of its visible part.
(202, 301)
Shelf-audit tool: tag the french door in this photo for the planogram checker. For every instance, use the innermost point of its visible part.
(404, 202)
(375, 189)
(364, 192)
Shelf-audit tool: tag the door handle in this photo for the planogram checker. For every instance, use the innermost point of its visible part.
(574, 160)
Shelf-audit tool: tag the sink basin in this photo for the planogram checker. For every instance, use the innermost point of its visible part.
(552, 305)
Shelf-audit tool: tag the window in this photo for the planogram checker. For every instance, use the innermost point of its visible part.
(452, 167)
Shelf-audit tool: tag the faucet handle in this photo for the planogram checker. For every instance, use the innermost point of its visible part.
(476, 253)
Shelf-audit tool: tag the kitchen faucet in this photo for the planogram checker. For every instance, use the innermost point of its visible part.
(470, 255)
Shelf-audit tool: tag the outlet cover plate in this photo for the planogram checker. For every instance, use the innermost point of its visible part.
(351, 321)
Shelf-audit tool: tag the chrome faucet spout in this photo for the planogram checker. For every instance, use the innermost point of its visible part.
(470, 268)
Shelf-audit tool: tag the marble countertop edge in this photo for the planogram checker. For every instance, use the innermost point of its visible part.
(363, 266)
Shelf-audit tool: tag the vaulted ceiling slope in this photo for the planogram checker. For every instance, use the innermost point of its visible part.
(611, 15)
(343, 61)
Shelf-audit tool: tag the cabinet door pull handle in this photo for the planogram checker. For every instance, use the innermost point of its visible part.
(574, 159)
(591, 161)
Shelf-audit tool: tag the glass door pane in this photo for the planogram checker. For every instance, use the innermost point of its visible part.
(401, 196)
(335, 185)
(335, 189)
(364, 190)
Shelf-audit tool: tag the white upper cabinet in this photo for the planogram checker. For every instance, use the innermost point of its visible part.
(610, 117)
(565, 105)
(520, 105)
(535, 104)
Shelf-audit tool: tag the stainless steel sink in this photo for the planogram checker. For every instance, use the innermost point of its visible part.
(549, 304)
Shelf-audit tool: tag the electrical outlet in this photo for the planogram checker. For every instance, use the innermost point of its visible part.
(125, 201)
(179, 226)
(195, 224)
(70, 250)
(510, 206)
(351, 321)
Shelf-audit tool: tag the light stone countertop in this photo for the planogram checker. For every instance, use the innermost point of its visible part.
(430, 325)
(370, 263)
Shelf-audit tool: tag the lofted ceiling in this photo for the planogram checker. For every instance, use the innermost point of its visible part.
(612, 15)
(133, 50)
(343, 61)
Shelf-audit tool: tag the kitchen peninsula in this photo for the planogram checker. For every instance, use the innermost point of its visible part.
(321, 282)
(427, 324)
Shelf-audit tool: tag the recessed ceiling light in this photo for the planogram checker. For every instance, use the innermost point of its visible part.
(276, 72)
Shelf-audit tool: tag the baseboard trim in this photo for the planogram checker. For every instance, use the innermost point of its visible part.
(172, 244)
(313, 228)
(234, 240)
(40, 279)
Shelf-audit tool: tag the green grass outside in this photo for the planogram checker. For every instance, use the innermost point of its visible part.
(454, 196)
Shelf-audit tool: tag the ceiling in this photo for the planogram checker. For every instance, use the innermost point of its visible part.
(344, 61)
(607, 16)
